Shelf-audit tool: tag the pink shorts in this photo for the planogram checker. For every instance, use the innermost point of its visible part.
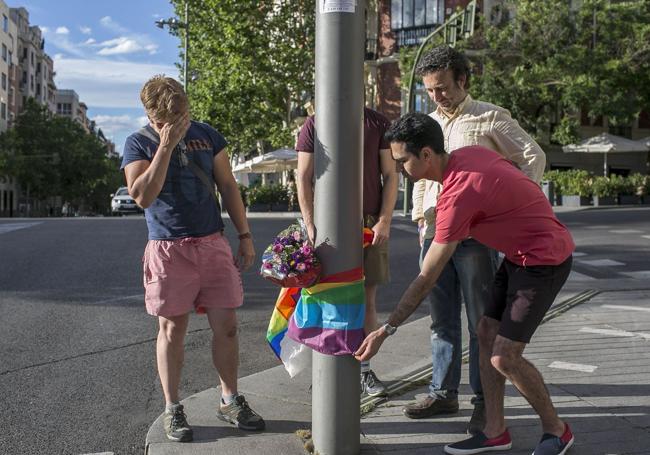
(191, 273)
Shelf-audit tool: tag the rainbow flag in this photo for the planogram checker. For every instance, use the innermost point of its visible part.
(282, 312)
(327, 318)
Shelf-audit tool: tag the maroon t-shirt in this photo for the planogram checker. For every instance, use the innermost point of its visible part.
(374, 127)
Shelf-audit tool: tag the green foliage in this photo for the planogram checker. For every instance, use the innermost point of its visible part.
(268, 194)
(54, 156)
(639, 184)
(550, 61)
(253, 62)
(620, 185)
(602, 187)
(583, 183)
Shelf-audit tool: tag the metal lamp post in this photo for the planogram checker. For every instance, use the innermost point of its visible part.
(174, 25)
(338, 206)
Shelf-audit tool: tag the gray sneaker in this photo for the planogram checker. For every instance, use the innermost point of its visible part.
(176, 426)
(241, 415)
(371, 385)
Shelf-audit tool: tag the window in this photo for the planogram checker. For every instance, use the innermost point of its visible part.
(32, 57)
(11, 58)
(3, 111)
(5, 23)
(412, 20)
(4, 81)
(4, 52)
(64, 108)
(416, 13)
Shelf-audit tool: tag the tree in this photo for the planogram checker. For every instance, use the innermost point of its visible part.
(28, 153)
(55, 156)
(550, 60)
(252, 62)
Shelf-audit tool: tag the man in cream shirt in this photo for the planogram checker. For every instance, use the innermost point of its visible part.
(469, 274)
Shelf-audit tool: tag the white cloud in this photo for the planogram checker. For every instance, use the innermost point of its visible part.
(125, 45)
(44, 30)
(108, 23)
(103, 83)
(114, 124)
(62, 31)
(90, 41)
(62, 42)
(85, 30)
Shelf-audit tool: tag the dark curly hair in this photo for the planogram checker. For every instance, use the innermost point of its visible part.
(416, 131)
(445, 58)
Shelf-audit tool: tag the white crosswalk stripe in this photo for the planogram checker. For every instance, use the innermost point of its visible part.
(9, 227)
(573, 366)
(601, 262)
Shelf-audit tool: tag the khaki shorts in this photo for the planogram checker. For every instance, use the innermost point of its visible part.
(375, 258)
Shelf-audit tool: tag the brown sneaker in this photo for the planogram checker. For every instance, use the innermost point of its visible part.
(241, 415)
(431, 406)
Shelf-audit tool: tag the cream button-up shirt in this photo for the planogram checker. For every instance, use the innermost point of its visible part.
(478, 123)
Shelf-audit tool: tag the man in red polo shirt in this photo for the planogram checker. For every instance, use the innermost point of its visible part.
(486, 197)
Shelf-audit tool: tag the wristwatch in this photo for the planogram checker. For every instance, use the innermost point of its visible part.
(389, 329)
(245, 235)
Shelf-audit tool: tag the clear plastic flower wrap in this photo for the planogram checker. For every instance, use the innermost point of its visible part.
(290, 261)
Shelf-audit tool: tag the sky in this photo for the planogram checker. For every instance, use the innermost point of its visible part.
(106, 51)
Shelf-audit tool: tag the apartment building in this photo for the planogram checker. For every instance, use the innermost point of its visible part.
(67, 104)
(8, 89)
(36, 68)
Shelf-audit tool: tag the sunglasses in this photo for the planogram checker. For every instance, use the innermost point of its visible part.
(183, 160)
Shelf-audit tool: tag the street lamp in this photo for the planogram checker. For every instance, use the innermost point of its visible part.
(174, 25)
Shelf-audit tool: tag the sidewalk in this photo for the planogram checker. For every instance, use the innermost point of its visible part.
(594, 357)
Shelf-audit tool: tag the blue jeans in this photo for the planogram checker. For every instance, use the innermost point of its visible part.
(469, 274)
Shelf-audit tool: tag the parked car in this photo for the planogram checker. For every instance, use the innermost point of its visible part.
(122, 203)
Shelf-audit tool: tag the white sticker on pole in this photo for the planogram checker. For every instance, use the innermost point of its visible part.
(337, 6)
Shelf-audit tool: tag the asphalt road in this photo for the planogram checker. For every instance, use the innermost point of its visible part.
(77, 350)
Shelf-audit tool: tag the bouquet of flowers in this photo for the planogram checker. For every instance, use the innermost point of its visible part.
(290, 261)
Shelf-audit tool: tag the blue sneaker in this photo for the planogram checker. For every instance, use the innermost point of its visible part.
(479, 444)
(552, 445)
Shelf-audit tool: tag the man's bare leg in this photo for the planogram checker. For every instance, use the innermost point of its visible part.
(225, 347)
(170, 354)
(492, 380)
(508, 360)
(370, 321)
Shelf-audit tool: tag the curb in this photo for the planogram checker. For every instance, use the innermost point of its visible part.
(422, 375)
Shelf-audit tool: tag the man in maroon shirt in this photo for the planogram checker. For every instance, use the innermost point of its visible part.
(379, 196)
(486, 197)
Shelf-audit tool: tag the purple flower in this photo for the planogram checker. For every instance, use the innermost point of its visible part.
(301, 267)
(268, 265)
(277, 248)
(307, 250)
